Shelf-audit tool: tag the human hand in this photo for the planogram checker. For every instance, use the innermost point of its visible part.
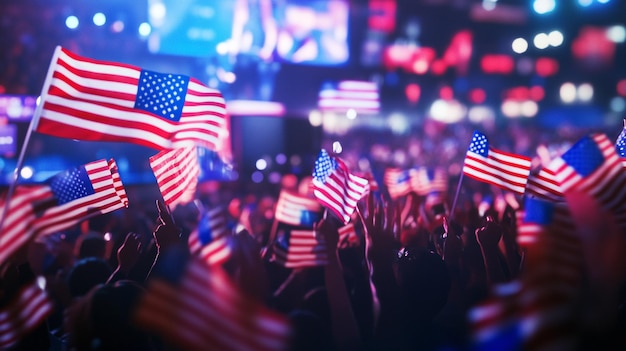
(490, 234)
(166, 234)
(128, 253)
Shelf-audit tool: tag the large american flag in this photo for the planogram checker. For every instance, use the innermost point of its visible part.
(361, 96)
(209, 240)
(195, 306)
(335, 187)
(301, 248)
(27, 310)
(620, 145)
(592, 166)
(176, 172)
(66, 199)
(297, 210)
(90, 99)
(486, 164)
(552, 274)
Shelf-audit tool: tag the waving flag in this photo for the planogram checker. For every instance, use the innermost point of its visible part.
(397, 181)
(592, 166)
(209, 240)
(28, 309)
(117, 182)
(486, 164)
(66, 199)
(297, 210)
(425, 181)
(360, 96)
(543, 185)
(177, 173)
(301, 248)
(348, 237)
(620, 145)
(198, 307)
(96, 100)
(552, 275)
(335, 187)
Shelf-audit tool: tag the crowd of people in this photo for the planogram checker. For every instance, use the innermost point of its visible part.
(419, 277)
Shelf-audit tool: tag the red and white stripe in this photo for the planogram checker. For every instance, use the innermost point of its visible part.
(176, 172)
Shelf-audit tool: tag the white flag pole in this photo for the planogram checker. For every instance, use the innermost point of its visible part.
(32, 126)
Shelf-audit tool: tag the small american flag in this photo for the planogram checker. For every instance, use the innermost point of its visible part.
(209, 240)
(335, 187)
(96, 100)
(486, 164)
(176, 172)
(361, 96)
(29, 308)
(301, 248)
(620, 145)
(297, 210)
(348, 237)
(117, 182)
(592, 166)
(66, 199)
(397, 181)
(198, 307)
(425, 181)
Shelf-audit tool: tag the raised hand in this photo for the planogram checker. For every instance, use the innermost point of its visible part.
(166, 234)
(489, 235)
(128, 253)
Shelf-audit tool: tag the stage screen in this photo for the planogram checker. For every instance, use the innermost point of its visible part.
(296, 31)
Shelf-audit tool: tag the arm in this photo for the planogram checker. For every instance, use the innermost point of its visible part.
(127, 256)
(166, 234)
(344, 326)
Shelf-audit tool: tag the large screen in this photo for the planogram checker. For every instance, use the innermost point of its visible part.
(296, 31)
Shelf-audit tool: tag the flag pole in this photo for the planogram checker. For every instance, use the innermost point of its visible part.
(456, 196)
(32, 126)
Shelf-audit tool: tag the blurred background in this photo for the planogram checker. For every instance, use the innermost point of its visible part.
(382, 83)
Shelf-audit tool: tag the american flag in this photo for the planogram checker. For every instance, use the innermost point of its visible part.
(486, 164)
(96, 100)
(209, 240)
(176, 172)
(198, 307)
(543, 185)
(300, 248)
(552, 274)
(361, 96)
(297, 210)
(495, 322)
(28, 309)
(397, 181)
(335, 187)
(117, 182)
(425, 181)
(592, 166)
(348, 237)
(620, 145)
(66, 199)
